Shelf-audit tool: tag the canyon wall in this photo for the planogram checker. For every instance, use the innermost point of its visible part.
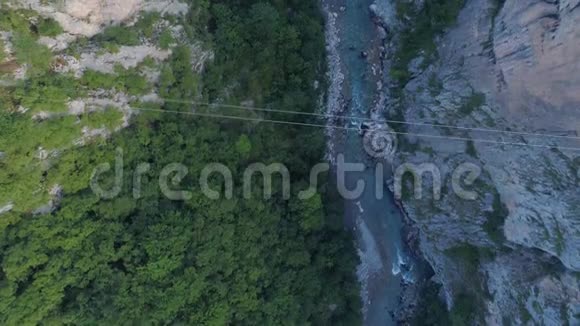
(506, 85)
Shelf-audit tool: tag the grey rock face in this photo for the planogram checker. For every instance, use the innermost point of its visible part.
(507, 88)
(521, 282)
(537, 46)
(83, 17)
(89, 17)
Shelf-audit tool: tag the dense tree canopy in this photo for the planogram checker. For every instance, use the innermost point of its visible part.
(151, 260)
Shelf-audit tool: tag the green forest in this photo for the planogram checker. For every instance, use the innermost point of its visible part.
(150, 260)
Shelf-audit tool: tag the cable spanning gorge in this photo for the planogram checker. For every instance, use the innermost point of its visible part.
(187, 162)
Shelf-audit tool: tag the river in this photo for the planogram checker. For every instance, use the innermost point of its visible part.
(386, 266)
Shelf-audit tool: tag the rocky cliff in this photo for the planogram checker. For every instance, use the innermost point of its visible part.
(537, 50)
(89, 17)
(503, 94)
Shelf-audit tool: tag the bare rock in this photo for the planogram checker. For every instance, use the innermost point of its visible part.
(6, 208)
(384, 13)
(89, 17)
(537, 46)
(383, 34)
(84, 17)
(127, 57)
(529, 81)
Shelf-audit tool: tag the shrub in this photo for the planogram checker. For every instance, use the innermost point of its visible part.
(111, 47)
(47, 92)
(135, 84)
(496, 219)
(95, 80)
(16, 21)
(471, 256)
(470, 149)
(165, 39)
(49, 27)
(146, 23)
(432, 310)
(126, 80)
(109, 119)
(475, 101)
(120, 35)
(464, 311)
(28, 51)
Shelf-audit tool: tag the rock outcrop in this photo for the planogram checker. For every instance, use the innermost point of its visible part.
(89, 17)
(84, 17)
(537, 47)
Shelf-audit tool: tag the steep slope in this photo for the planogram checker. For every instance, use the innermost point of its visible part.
(501, 84)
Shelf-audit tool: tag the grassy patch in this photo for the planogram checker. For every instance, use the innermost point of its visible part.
(432, 310)
(110, 119)
(95, 79)
(17, 21)
(49, 27)
(471, 255)
(475, 101)
(47, 93)
(147, 22)
(28, 51)
(166, 39)
(126, 80)
(465, 310)
(119, 35)
(26, 22)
